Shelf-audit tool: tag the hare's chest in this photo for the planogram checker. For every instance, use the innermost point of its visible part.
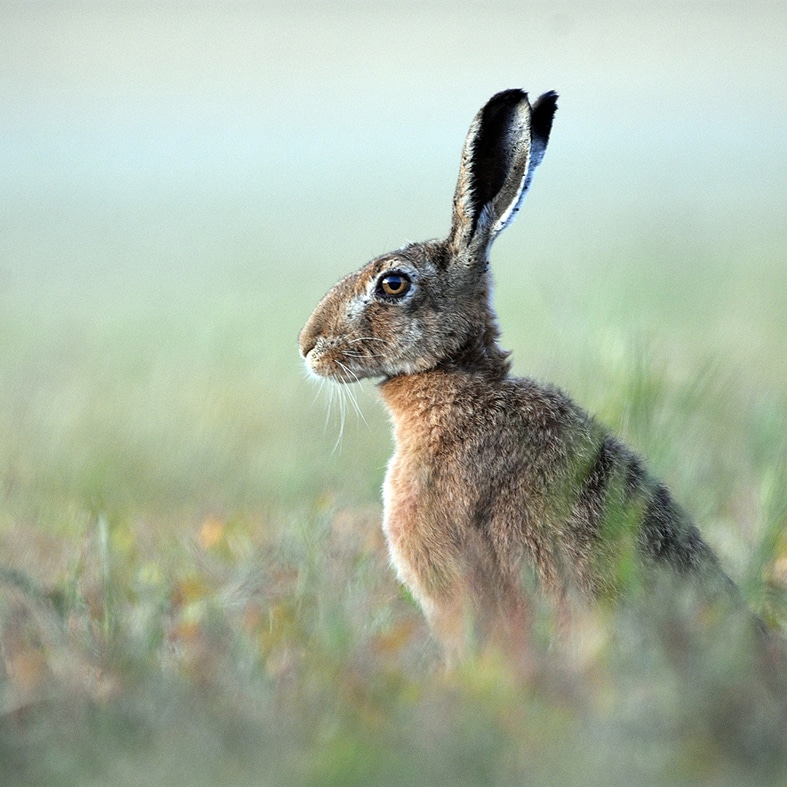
(422, 537)
(401, 497)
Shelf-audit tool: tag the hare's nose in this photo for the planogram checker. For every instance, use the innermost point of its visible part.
(307, 344)
(307, 340)
(312, 332)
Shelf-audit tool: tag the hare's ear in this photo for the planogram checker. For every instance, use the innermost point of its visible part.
(505, 143)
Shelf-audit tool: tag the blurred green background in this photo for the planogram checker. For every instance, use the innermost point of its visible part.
(180, 183)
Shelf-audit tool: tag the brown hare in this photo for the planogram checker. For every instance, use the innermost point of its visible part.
(497, 484)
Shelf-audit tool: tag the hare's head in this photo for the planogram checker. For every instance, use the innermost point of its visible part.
(427, 304)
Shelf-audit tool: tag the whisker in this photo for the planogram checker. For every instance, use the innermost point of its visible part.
(328, 408)
(363, 355)
(351, 394)
(342, 397)
(342, 417)
(368, 339)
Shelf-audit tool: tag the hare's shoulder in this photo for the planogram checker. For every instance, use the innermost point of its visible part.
(462, 401)
(461, 426)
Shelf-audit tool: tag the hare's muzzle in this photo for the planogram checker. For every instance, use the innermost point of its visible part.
(315, 351)
(310, 334)
(306, 345)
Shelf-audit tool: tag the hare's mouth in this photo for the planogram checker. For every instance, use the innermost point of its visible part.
(326, 364)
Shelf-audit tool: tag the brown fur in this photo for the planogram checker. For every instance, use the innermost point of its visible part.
(495, 480)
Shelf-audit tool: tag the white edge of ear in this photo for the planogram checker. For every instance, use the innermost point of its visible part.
(521, 137)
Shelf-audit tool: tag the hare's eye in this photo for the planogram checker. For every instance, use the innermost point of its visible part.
(392, 286)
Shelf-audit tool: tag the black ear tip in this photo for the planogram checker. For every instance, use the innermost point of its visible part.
(543, 113)
(506, 98)
(549, 97)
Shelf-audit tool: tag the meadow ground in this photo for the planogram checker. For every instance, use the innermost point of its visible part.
(193, 582)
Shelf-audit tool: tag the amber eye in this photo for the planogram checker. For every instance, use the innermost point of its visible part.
(393, 285)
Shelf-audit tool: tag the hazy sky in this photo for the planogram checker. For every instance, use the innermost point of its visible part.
(325, 110)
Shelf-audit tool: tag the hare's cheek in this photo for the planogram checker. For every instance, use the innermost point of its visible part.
(407, 334)
(414, 350)
(357, 309)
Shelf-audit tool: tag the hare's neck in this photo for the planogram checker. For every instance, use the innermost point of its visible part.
(480, 353)
(427, 407)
